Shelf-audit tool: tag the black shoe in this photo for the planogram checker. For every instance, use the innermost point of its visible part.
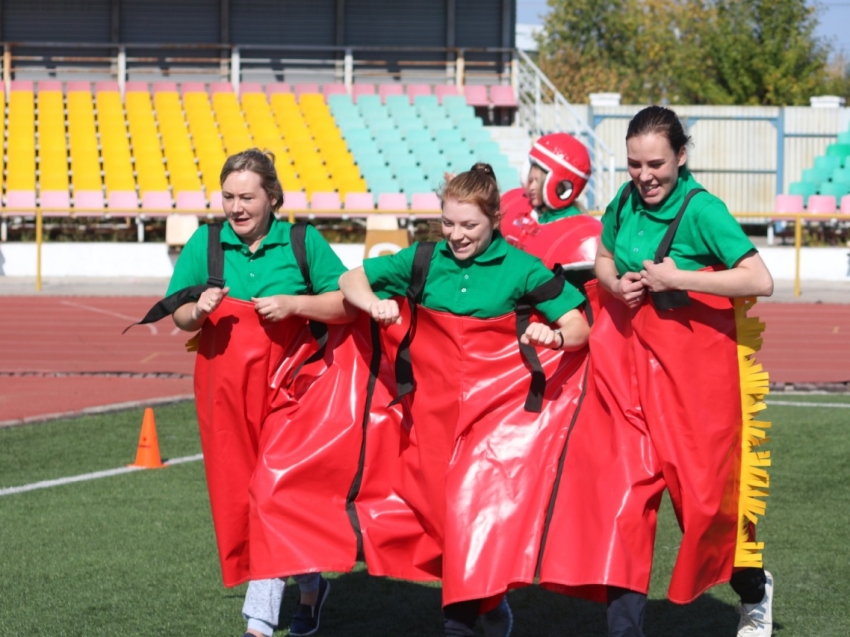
(306, 620)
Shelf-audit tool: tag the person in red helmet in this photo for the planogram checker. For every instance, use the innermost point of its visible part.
(545, 218)
(560, 169)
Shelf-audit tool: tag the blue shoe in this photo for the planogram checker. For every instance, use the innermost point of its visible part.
(306, 619)
(498, 622)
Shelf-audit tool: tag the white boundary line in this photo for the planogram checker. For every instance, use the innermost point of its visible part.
(46, 484)
(788, 403)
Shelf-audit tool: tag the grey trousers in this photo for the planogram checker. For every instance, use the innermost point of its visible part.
(262, 600)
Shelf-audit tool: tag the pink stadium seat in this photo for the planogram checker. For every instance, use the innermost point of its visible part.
(789, 203)
(385, 90)
(191, 200)
(425, 202)
(333, 89)
(392, 201)
(164, 87)
(123, 200)
(359, 201)
(55, 203)
(301, 89)
(221, 87)
(136, 87)
(294, 200)
(476, 95)
(156, 203)
(105, 87)
(215, 203)
(442, 90)
(20, 201)
(277, 87)
(325, 201)
(250, 87)
(845, 205)
(192, 87)
(46, 85)
(24, 85)
(362, 89)
(821, 204)
(503, 96)
(88, 203)
(418, 89)
(78, 86)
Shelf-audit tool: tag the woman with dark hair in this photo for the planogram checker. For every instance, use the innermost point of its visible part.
(276, 434)
(672, 395)
(474, 464)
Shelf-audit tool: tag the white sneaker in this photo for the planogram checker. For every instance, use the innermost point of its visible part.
(757, 619)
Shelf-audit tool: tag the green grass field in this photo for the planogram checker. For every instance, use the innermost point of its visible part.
(134, 554)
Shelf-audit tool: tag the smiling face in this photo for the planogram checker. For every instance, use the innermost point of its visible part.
(654, 166)
(466, 228)
(246, 206)
(534, 188)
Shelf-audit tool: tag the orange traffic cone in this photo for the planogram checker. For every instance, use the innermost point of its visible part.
(147, 454)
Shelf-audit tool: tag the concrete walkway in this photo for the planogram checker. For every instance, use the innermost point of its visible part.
(811, 291)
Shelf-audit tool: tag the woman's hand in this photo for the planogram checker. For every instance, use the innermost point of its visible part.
(277, 307)
(385, 312)
(541, 335)
(207, 303)
(630, 289)
(660, 277)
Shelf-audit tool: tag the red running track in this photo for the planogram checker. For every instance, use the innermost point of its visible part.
(41, 337)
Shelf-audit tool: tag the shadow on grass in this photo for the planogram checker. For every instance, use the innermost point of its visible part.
(361, 605)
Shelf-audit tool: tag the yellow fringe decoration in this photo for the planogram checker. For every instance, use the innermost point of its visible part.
(755, 480)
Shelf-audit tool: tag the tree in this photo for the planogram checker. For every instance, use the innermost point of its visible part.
(687, 51)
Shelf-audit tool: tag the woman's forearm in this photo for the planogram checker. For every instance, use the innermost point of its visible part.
(356, 288)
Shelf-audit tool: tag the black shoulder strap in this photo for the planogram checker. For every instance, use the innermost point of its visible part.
(545, 292)
(624, 197)
(667, 240)
(298, 240)
(215, 256)
(215, 279)
(405, 383)
(319, 330)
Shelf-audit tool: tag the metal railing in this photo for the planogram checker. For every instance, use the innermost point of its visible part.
(543, 109)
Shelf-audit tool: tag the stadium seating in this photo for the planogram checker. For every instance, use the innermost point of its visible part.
(162, 146)
(845, 205)
(821, 204)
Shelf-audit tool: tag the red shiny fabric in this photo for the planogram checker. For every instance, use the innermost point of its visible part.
(571, 241)
(280, 450)
(460, 490)
(662, 410)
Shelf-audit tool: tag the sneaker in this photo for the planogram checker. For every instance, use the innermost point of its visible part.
(306, 619)
(757, 619)
(499, 621)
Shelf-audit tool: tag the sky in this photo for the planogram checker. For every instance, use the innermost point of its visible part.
(834, 19)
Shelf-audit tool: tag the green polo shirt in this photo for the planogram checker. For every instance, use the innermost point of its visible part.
(544, 215)
(707, 234)
(271, 269)
(484, 286)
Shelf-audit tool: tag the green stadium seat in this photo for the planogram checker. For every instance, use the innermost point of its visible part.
(815, 175)
(841, 175)
(827, 162)
(836, 189)
(839, 150)
(844, 138)
(803, 188)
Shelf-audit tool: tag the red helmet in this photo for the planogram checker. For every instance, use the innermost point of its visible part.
(567, 165)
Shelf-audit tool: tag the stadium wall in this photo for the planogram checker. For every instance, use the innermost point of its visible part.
(154, 260)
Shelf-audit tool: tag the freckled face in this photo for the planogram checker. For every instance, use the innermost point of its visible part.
(654, 166)
(246, 205)
(466, 228)
(534, 189)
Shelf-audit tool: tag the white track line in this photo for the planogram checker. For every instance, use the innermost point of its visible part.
(150, 326)
(795, 404)
(46, 484)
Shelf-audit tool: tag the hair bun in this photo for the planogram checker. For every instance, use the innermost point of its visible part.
(487, 169)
